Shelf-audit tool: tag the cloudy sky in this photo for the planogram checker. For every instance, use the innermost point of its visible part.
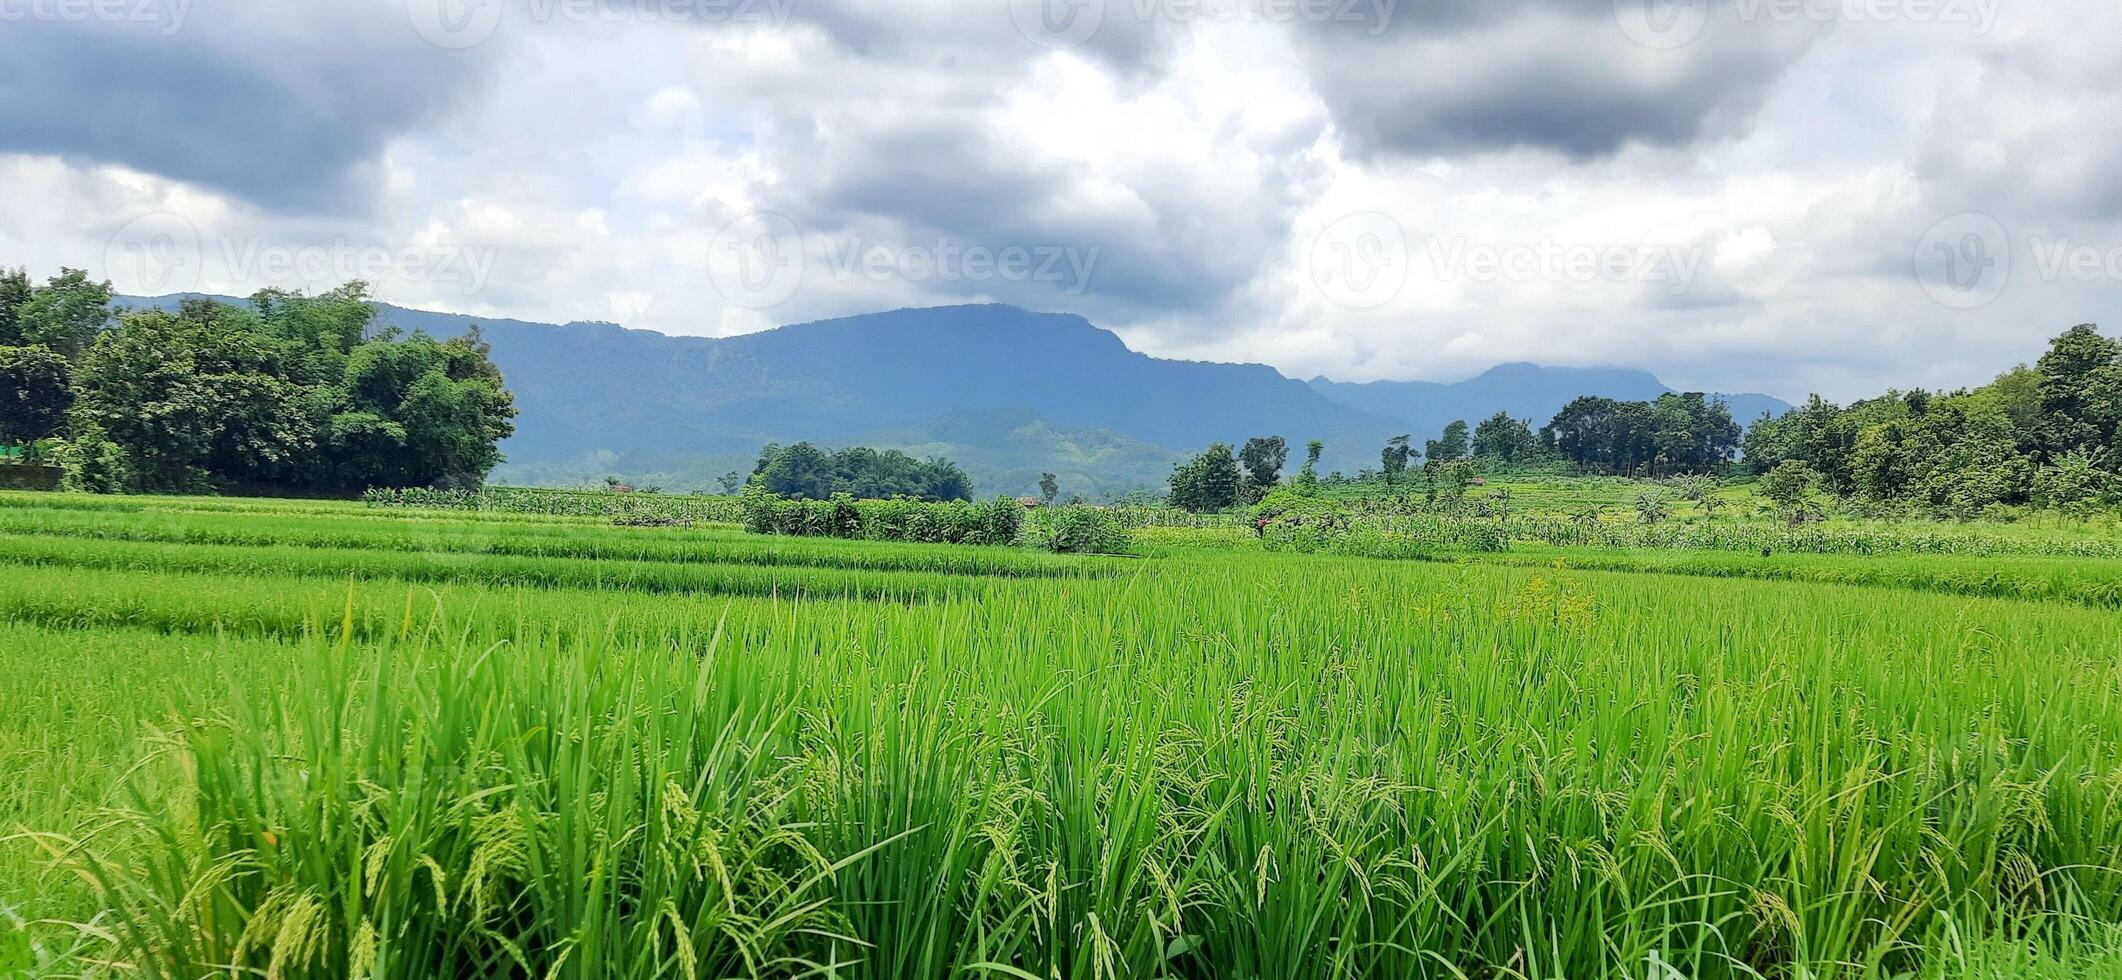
(1776, 195)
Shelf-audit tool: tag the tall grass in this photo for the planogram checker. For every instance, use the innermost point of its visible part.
(1266, 767)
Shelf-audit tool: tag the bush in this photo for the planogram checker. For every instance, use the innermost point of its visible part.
(996, 522)
(1076, 530)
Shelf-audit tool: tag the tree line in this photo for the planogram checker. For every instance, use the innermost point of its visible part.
(2044, 435)
(805, 472)
(1676, 434)
(289, 393)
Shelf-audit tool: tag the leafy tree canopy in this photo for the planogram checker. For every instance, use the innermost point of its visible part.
(2044, 435)
(289, 392)
(804, 471)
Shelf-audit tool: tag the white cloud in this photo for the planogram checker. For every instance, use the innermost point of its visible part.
(1780, 176)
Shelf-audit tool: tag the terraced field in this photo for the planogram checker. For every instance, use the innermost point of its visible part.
(318, 740)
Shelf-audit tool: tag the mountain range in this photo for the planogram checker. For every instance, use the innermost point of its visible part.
(1006, 392)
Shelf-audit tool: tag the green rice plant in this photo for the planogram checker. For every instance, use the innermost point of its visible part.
(572, 503)
(2086, 582)
(333, 760)
(525, 541)
(623, 576)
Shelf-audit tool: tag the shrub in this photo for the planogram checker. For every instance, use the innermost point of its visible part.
(1076, 530)
(950, 522)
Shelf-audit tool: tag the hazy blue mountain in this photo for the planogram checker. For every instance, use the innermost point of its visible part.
(1526, 391)
(1007, 392)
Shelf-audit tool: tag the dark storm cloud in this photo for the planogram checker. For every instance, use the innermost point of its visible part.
(1565, 76)
(950, 180)
(288, 107)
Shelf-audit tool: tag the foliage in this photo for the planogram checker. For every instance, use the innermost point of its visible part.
(1504, 439)
(2077, 482)
(1049, 489)
(996, 522)
(64, 315)
(290, 393)
(1309, 475)
(1393, 459)
(1263, 459)
(35, 393)
(1678, 433)
(1075, 530)
(1448, 447)
(1296, 519)
(1208, 482)
(1450, 479)
(1966, 453)
(807, 472)
(1789, 483)
(564, 503)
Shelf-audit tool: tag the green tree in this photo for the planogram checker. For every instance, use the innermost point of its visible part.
(1789, 483)
(1453, 477)
(807, 472)
(419, 412)
(1450, 446)
(1208, 482)
(1263, 459)
(1504, 439)
(35, 393)
(15, 290)
(174, 391)
(1049, 488)
(2076, 483)
(2075, 415)
(65, 314)
(801, 471)
(1395, 457)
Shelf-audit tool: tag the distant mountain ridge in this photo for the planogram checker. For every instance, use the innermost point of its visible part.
(1007, 392)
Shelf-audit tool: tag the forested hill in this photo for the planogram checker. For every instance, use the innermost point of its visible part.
(1007, 392)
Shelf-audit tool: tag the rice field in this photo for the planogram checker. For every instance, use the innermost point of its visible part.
(307, 739)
